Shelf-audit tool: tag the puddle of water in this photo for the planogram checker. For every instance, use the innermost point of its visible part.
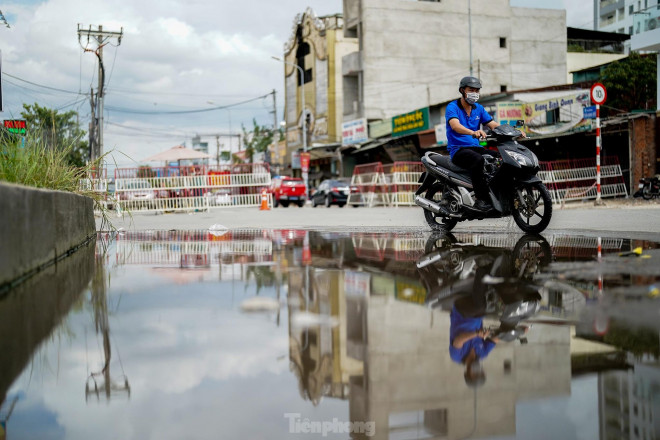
(274, 334)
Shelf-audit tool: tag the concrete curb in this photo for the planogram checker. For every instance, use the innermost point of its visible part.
(39, 226)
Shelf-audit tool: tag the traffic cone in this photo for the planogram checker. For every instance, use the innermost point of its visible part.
(264, 200)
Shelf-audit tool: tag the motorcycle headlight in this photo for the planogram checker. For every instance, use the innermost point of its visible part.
(520, 158)
(525, 309)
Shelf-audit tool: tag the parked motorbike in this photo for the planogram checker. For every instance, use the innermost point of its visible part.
(482, 280)
(649, 187)
(511, 173)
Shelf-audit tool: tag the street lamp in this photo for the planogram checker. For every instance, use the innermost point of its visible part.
(302, 83)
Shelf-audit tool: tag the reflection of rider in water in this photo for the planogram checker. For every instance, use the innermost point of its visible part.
(469, 342)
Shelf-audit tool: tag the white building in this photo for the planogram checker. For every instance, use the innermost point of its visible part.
(413, 53)
(618, 15)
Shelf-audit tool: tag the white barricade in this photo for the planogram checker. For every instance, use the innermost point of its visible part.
(191, 193)
(576, 179)
(404, 186)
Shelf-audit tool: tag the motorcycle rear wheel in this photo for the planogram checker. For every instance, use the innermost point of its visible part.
(647, 194)
(438, 222)
(526, 212)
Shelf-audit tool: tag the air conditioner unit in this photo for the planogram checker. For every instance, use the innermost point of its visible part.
(651, 24)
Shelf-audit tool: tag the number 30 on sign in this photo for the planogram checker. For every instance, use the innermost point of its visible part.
(598, 93)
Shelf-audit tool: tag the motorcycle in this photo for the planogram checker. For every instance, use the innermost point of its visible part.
(482, 280)
(649, 187)
(515, 188)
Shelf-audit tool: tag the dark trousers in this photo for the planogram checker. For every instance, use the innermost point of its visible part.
(472, 160)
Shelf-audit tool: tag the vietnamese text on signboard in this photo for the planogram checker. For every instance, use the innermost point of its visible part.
(411, 122)
(354, 132)
(16, 126)
(589, 112)
(509, 112)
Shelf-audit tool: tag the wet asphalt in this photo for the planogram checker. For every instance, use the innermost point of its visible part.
(623, 218)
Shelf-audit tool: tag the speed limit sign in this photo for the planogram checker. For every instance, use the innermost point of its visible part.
(598, 93)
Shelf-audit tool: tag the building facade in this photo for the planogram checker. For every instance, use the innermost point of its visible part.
(315, 48)
(413, 53)
(619, 15)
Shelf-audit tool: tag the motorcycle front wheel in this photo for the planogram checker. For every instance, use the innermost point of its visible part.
(438, 222)
(532, 207)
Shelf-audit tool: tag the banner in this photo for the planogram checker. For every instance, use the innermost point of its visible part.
(549, 116)
(354, 132)
(411, 122)
(509, 112)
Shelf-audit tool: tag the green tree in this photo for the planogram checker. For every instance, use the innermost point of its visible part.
(630, 84)
(258, 140)
(57, 131)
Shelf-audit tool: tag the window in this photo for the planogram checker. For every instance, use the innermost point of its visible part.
(630, 30)
(303, 50)
(502, 87)
(502, 42)
(621, 14)
(631, 9)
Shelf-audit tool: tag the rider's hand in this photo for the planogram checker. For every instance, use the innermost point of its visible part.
(479, 134)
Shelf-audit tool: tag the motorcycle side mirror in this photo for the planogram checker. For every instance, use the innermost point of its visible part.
(520, 123)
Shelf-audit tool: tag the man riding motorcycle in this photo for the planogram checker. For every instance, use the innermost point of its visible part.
(464, 119)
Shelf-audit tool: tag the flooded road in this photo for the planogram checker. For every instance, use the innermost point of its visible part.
(273, 334)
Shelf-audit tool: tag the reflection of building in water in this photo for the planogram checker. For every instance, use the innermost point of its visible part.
(319, 353)
(629, 403)
(390, 357)
(411, 385)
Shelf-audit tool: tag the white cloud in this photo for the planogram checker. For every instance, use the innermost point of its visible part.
(174, 55)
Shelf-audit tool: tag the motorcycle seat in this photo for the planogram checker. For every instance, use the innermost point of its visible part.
(445, 162)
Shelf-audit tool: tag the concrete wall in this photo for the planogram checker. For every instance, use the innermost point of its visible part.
(34, 309)
(37, 226)
(414, 53)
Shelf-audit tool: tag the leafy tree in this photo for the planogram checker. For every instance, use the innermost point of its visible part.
(630, 83)
(57, 131)
(258, 140)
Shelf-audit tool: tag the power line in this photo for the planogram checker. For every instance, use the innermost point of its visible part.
(42, 86)
(179, 112)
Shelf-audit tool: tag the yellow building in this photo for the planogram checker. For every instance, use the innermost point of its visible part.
(312, 67)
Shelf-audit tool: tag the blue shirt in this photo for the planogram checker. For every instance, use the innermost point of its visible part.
(478, 116)
(461, 324)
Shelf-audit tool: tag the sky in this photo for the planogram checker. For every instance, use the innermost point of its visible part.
(194, 56)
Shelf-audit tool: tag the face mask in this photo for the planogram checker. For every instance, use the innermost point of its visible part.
(471, 97)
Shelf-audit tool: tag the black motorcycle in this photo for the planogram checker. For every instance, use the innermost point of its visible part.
(649, 187)
(483, 280)
(511, 173)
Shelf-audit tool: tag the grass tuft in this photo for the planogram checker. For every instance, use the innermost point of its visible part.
(33, 163)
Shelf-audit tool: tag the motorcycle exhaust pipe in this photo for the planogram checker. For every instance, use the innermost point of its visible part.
(431, 206)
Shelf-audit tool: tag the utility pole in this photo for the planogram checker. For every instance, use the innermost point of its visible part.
(470, 32)
(217, 150)
(276, 131)
(101, 38)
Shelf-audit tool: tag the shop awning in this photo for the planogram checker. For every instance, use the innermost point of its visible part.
(375, 144)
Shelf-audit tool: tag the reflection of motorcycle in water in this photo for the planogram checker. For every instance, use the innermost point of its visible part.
(483, 280)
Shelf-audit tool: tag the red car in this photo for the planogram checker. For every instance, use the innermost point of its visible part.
(287, 190)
